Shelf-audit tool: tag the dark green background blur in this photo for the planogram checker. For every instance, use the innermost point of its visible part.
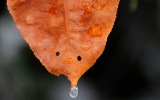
(129, 68)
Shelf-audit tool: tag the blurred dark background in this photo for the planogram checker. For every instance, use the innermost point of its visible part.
(129, 68)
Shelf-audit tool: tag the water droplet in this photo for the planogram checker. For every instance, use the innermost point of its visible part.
(74, 92)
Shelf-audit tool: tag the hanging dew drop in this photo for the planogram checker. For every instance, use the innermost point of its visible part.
(74, 92)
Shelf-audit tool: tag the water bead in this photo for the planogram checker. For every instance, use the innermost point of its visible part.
(74, 92)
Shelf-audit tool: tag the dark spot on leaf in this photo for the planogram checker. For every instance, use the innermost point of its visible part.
(57, 53)
(79, 58)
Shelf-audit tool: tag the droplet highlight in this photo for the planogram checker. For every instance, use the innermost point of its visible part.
(74, 92)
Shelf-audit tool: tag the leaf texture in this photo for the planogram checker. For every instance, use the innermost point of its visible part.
(67, 36)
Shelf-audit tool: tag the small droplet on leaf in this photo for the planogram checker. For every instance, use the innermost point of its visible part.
(74, 92)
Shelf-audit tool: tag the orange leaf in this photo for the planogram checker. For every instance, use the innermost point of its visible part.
(67, 36)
